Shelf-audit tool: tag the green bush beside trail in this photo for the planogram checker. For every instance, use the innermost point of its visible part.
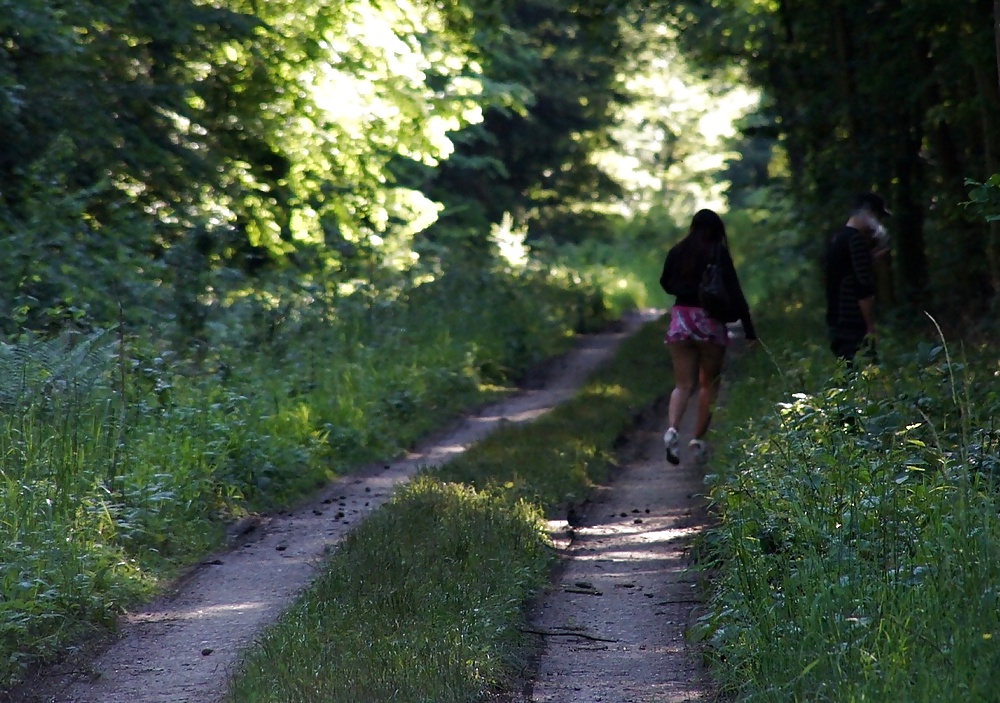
(855, 557)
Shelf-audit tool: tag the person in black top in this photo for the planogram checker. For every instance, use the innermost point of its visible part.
(697, 342)
(850, 279)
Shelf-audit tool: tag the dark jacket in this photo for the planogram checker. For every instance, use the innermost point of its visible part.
(681, 277)
(849, 278)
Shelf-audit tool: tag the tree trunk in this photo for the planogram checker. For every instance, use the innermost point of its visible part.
(996, 34)
(908, 204)
(993, 247)
(987, 244)
(848, 81)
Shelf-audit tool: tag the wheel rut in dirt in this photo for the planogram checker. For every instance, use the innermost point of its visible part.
(612, 625)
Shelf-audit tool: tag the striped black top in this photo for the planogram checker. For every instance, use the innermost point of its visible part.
(849, 278)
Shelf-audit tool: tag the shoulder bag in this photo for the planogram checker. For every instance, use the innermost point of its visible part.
(713, 293)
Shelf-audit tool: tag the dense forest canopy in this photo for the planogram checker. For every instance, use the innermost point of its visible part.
(186, 134)
(149, 147)
(898, 96)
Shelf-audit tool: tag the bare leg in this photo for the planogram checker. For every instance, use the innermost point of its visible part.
(685, 360)
(710, 360)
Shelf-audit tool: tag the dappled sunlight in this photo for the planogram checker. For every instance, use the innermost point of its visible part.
(222, 610)
(668, 534)
(509, 241)
(621, 543)
(628, 541)
(522, 416)
(672, 137)
(605, 391)
(449, 449)
(627, 594)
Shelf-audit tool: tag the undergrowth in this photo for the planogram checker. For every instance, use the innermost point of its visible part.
(856, 552)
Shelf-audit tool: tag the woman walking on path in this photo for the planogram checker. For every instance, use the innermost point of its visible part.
(696, 340)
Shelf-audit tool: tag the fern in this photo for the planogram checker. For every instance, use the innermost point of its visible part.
(35, 371)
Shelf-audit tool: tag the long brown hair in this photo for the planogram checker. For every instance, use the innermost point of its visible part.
(698, 247)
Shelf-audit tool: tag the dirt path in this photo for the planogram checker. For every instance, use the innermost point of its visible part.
(613, 623)
(181, 648)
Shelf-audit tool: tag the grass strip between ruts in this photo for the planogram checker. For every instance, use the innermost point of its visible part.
(424, 601)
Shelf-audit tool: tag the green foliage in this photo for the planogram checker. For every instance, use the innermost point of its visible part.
(776, 263)
(535, 159)
(764, 237)
(833, 78)
(627, 272)
(244, 138)
(855, 551)
(216, 294)
(238, 132)
(984, 198)
(626, 276)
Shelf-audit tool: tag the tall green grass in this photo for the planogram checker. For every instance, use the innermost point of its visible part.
(856, 552)
(60, 445)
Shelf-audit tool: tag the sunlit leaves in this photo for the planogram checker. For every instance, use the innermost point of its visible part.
(251, 134)
(257, 117)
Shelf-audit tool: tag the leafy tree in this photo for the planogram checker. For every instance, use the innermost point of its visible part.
(892, 95)
(535, 160)
(245, 133)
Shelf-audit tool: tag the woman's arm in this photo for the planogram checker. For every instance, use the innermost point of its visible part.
(667, 277)
(736, 290)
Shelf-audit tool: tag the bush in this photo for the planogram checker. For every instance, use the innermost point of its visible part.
(858, 528)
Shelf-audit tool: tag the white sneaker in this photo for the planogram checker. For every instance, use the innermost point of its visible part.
(671, 443)
(699, 450)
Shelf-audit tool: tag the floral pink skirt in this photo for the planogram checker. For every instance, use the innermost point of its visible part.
(695, 324)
